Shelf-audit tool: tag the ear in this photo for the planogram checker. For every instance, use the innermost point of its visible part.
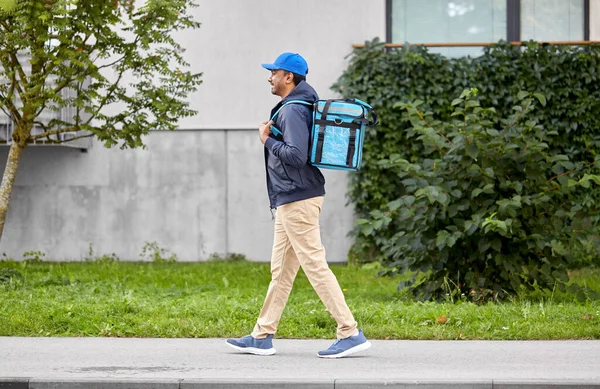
(289, 78)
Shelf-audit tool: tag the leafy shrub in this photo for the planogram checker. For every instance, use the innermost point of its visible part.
(111, 258)
(7, 275)
(154, 253)
(33, 256)
(232, 257)
(568, 76)
(489, 206)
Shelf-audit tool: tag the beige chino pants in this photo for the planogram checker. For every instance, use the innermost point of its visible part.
(297, 242)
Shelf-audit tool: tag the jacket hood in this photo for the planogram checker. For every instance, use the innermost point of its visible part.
(302, 91)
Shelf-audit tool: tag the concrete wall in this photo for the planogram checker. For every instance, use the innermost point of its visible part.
(199, 190)
(193, 192)
(238, 35)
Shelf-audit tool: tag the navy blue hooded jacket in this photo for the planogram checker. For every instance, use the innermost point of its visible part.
(289, 175)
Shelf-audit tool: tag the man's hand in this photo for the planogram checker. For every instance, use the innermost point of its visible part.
(264, 130)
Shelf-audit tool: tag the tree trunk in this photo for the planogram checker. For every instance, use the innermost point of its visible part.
(10, 172)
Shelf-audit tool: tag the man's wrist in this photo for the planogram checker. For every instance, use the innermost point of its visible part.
(269, 142)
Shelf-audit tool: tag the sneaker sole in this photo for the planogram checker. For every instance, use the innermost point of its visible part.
(253, 350)
(350, 351)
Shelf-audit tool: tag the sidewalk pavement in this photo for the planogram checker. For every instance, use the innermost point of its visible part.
(119, 363)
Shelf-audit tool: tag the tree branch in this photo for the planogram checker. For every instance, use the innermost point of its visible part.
(52, 66)
(7, 100)
(5, 25)
(19, 68)
(571, 171)
(41, 125)
(112, 63)
(14, 84)
(78, 137)
(134, 43)
(103, 103)
(2, 107)
(67, 140)
(47, 133)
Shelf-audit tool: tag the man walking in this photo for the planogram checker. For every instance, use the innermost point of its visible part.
(296, 190)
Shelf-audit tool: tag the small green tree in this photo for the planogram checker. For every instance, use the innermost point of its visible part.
(90, 48)
(487, 211)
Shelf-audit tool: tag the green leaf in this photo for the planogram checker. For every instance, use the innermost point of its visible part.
(465, 93)
(522, 95)
(546, 269)
(541, 98)
(561, 275)
(496, 245)
(404, 284)
(451, 241)
(442, 238)
(591, 177)
(563, 180)
(472, 151)
(394, 205)
(457, 102)
(471, 104)
(567, 165)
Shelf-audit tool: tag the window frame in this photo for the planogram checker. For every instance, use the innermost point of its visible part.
(513, 21)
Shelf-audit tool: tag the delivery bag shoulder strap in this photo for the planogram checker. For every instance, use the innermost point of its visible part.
(274, 129)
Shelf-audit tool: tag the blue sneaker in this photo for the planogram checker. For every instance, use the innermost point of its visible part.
(251, 345)
(344, 347)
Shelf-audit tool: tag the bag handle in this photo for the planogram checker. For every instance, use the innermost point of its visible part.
(369, 109)
(375, 120)
(274, 129)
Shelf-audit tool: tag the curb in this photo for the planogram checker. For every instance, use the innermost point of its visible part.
(110, 383)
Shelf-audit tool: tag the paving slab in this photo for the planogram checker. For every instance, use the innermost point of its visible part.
(134, 363)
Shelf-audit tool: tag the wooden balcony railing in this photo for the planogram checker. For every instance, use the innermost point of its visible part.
(478, 44)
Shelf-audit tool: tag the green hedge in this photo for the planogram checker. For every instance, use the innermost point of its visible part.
(478, 215)
(568, 77)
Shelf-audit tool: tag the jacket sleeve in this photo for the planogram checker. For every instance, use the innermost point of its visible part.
(293, 150)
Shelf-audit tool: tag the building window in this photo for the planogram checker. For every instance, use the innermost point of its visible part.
(552, 20)
(484, 21)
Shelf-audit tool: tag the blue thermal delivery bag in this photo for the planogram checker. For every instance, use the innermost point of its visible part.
(337, 135)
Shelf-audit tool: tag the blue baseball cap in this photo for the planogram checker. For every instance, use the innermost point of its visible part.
(291, 62)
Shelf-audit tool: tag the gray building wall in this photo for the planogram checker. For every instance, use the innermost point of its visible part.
(201, 189)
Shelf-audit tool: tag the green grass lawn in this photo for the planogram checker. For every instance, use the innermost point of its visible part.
(223, 299)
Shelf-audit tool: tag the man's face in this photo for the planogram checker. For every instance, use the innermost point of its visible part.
(278, 81)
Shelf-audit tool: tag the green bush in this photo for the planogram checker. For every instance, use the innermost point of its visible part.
(480, 214)
(568, 76)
